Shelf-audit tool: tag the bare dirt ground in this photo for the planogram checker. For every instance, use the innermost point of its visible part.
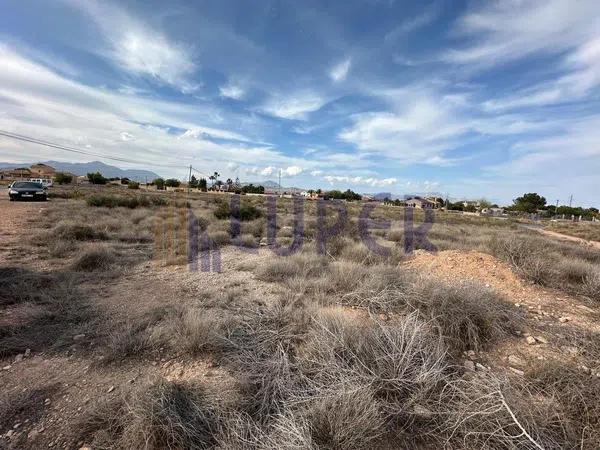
(63, 386)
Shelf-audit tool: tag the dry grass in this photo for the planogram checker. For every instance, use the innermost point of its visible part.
(95, 258)
(467, 316)
(159, 415)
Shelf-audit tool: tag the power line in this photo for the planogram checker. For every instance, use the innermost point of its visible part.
(33, 140)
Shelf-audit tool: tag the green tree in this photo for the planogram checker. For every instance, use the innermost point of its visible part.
(202, 185)
(133, 185)
(63, 178)
(193, 182)
(530, 203)
(159, 183)
(172, 182)
(96, 178)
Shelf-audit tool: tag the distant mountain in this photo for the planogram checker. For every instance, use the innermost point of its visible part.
(382, 195)
(94, 166)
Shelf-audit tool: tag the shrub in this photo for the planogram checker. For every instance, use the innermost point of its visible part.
(77, 232)
(94, 259)
(133, 185)
(246, 212)
(110, 201)
(302, 265)
(527, 255)
(591, 285)
(403, 363)
(162, 414)
(63, 178)
(468, 316)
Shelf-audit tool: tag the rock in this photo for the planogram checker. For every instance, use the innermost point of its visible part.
(563, 319)
(110, 389)
(469, 365)
(6, 367)
(517, 371)
(47, 401)
(27, 353)
(19, 358)
(586, 369)
(530, 340)
(541, 339)
(480, 366)
(471, 354)
(9, 433)
(422, 411)
(17, 425)
(78, 337)
(33, 434)
(517, 361)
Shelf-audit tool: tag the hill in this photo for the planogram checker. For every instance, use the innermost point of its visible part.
(94, 166)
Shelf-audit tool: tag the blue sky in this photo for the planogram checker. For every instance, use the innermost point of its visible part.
(467, 98)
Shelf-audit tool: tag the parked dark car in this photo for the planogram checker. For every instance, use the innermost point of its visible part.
(27, 190)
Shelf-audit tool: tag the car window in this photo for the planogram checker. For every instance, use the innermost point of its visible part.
(27, 184)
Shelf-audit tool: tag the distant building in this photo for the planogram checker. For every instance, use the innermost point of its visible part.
(21, 173)
(492, 211)
(418, 202)
(42, 171)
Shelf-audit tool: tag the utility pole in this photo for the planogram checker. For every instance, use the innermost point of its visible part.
(280, 182)
(571, 200)
(190, 180)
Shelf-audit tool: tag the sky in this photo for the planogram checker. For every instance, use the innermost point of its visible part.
(468, 99)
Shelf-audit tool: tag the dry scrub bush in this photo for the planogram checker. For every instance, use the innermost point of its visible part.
(77, 232)
(483, 411)
(578, 398)
(266, 345)
(301, 265)
(160, 415)
(381, 288)
(47, 309)
(403, 363)
(220, 238)
(527, 255)
(360, 253)
(591, 284)
(469, 316)
(94, 258)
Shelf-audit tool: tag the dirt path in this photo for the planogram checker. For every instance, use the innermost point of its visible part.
(564, 237)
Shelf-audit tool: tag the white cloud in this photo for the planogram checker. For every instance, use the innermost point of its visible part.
(427, 17)
(232, 91)
(139, 48)
(511, 29)
(293, 106)
(358, 180)
(198, 132)
(115, 124)
(339, 72)
(292, 171)
(268, 171)
(316, 173)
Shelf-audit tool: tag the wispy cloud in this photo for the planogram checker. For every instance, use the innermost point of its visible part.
(359, 180)
(339, 72)
(293, 106)
(430, 15)
(140, 49)
(232, 91)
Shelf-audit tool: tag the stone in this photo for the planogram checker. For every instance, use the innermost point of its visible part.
(27, 353)
(6, 367)
(110, 389)
(541, 339)
(530, 340)
(469, 365)
(422, 411)
(515, 360)
(78, 337)
(563, 319)
(19, 358)
(480, 366)
(517, 371)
